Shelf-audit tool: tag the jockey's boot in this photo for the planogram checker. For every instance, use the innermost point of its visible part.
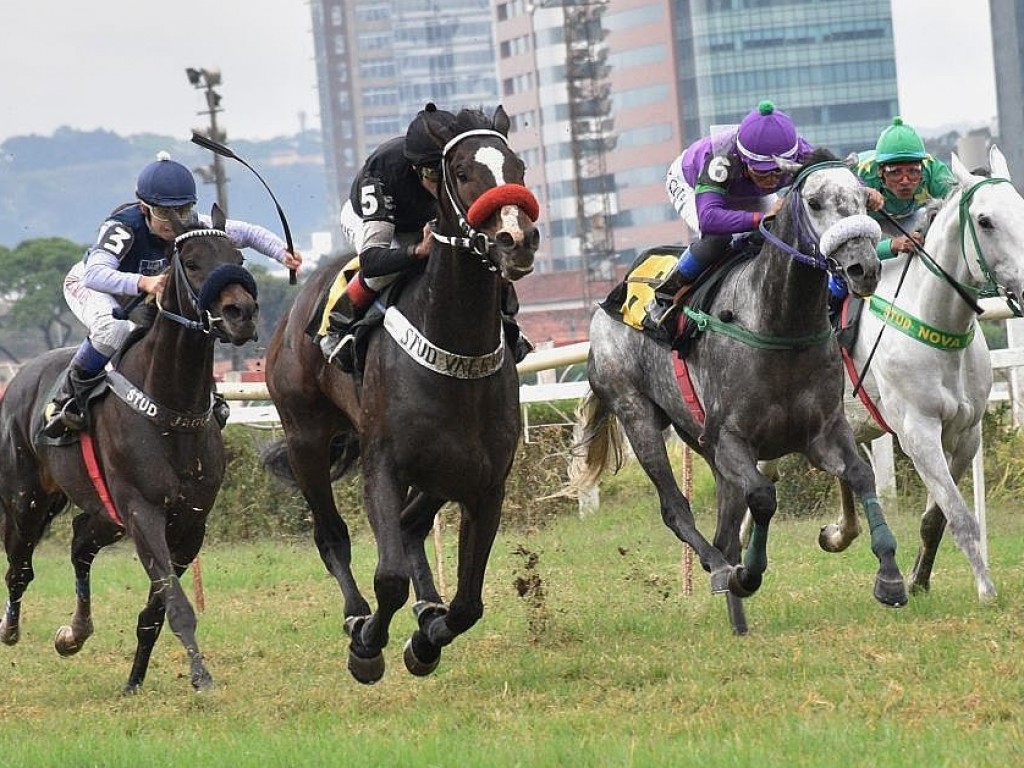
(221, 409)
(67, 411)
(516, 338)
(339, 342)
(664, 299)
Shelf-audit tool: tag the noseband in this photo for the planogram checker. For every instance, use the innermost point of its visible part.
(484, 207)
(222, 276)
(811, 248)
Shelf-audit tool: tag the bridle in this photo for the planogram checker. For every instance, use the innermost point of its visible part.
(216, 281)
(472, 239)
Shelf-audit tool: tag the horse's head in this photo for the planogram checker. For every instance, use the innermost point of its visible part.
(210, 288)
(483, 201)
(828, 212)
(991, 225)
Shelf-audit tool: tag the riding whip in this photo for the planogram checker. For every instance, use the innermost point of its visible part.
(215, 146)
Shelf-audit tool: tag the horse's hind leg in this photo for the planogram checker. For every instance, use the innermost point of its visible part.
(417, 522)
(836, 537)
(90, 536)
(437, 628)
(24, 525)
(946, 504)
(837, 454)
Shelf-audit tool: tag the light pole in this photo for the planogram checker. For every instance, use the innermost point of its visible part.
(206, 79)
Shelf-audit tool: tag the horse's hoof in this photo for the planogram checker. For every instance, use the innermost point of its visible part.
(130, 689)
(414, 663)
(720, 579)
(890, 592)
(830, 540)
(203, 681)
(743, 583)
(366, 671)
(64, 642)
(8, 635)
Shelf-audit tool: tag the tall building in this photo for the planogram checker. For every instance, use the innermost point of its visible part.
(829, 64)
(1008, 53)
(379, 61)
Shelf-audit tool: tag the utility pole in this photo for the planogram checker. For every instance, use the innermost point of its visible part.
(205, 80)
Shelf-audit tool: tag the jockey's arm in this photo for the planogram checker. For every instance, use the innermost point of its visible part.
(716, 218)
(242, 234)
(102, 274)
(380, 255)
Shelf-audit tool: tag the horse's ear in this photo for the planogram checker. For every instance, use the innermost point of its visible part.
(177, 225)
(218, 217)
(501, 121)
(998, 164)
(851, 160)
(960, 171)
(788, 166)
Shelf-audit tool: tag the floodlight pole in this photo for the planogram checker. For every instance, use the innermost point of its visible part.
(205, 80)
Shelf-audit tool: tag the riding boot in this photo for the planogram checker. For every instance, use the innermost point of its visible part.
(339, 343)
(221, 409)
(68, 409)
(516, 338)
(664, 299)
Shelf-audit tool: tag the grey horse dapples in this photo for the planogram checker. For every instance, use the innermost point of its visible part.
(764, 380)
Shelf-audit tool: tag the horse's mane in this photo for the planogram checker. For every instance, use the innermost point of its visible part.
(470, 120)
(819, 155)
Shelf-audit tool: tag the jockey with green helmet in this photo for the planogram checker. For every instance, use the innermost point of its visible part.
(907, 177)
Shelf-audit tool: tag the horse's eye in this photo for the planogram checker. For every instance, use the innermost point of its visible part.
(190, 265)
(814, 204)
(461, 175)
(985, 222)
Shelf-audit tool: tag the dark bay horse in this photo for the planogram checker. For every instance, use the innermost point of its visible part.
(157, 451)
(768, 379)
(436, 418)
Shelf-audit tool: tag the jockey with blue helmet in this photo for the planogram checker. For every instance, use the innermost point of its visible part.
(723, 185)
(130, 257)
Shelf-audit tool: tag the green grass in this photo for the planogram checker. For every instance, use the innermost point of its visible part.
(604, 661)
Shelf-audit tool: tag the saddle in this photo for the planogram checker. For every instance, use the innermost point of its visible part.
(628, 301)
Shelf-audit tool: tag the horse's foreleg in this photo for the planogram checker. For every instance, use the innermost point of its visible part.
(166, 596)
(478, 526)
(384, 501)
(946, 504)
(837, 454)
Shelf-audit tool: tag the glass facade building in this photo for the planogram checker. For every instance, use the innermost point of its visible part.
(1008, 52)
(829, 64)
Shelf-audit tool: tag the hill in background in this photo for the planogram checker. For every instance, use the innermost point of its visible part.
(64, 185)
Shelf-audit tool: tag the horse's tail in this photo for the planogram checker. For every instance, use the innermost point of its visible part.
(344, 453)
(597, 443)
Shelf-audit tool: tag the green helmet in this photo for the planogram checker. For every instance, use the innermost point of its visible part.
(899, 142)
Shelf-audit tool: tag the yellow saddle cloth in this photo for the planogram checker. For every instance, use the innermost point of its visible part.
(345, 274)
(640, 285)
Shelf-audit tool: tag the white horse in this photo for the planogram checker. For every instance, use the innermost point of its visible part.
(930, 376)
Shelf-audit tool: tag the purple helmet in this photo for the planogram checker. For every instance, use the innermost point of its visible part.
(166, 183)
(765, 133)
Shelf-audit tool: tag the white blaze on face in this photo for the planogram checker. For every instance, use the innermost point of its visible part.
(494, 160)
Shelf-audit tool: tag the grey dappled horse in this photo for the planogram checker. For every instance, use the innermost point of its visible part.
(158, 449)
(931, 375)
(769, 378)
(437, 416)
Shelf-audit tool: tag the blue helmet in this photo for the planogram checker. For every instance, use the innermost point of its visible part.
(166, 183)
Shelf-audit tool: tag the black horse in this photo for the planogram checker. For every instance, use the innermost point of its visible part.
(153, 462)
(436, 418)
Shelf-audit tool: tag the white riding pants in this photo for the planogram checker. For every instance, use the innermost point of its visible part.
(95, 311)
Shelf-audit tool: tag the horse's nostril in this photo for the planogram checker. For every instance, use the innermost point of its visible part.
(533, 239)
(505, 240)
(855, 271)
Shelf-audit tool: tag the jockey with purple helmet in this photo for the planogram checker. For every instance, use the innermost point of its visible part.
(723, 185)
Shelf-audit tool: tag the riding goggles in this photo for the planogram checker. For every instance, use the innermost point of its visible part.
(167, 213)
(909, 172)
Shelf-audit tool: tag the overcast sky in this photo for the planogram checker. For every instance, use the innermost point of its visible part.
(120, 65)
